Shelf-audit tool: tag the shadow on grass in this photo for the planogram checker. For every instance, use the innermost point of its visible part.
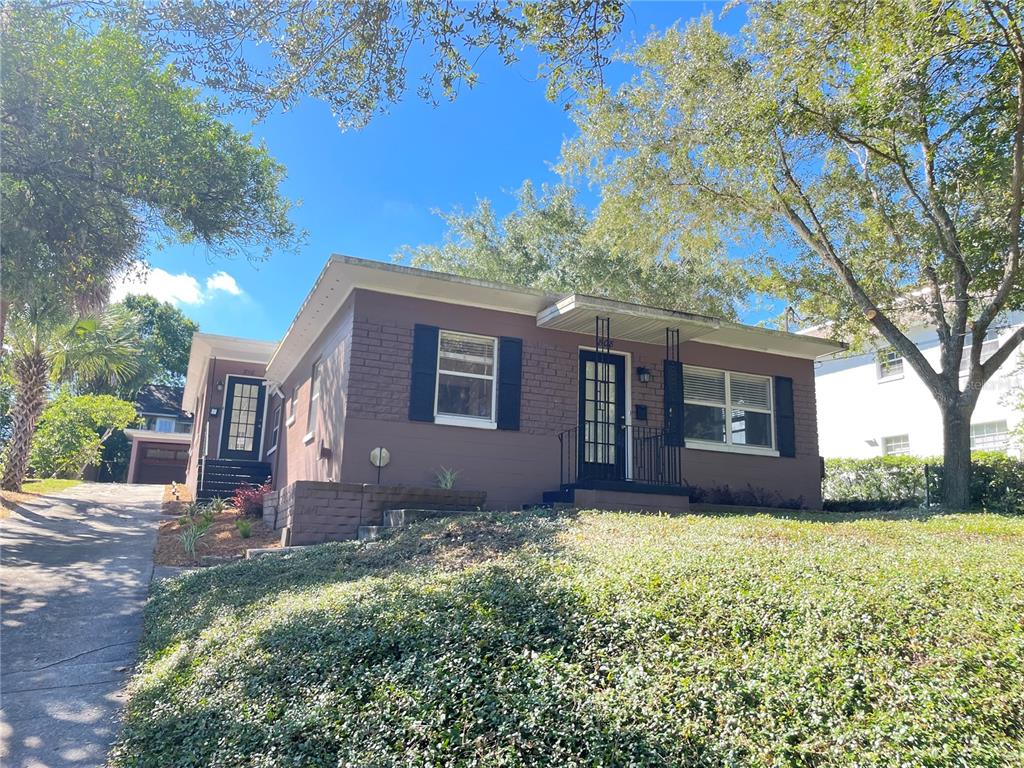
(483, 663)
(182, 607)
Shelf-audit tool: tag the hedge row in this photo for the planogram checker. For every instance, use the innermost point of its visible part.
(892, 482)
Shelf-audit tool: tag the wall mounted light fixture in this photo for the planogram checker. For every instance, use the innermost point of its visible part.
(220, 385)
(644, 374)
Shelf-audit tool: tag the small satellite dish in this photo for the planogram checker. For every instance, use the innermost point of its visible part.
(380, 457)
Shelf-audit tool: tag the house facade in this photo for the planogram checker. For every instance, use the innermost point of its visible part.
(523, 395)
(873, 403)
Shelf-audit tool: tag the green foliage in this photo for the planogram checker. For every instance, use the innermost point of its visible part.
(244, 527)
(549, 243)
(875, 152)
(217, 504)
(446, 478)
(359, 56)
(891, 482)
(102, 145)
(164, 340)
(190, 536)
(535, 639)
(72, 430)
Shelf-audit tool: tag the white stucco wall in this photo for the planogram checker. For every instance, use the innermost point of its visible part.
(856, 410)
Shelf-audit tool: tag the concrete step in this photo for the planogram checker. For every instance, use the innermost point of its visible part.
(396, 518)
(373, 532)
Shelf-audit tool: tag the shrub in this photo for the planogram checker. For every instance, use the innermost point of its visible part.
(892, 482)
(446, 478)
(248, 499)
(190, 536)
(217, 504)
(72, 430)
(244, 527)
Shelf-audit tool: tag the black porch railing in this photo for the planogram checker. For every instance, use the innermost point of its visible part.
(593, 453)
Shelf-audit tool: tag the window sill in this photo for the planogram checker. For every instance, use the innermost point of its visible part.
(749, 450)
(885, 379)
(290, 421)
(455, 421)
(309, 437)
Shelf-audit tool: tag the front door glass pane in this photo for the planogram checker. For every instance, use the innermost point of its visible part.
(600, 413)
(242, 429)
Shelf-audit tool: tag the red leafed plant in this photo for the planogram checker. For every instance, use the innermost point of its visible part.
(248, 499)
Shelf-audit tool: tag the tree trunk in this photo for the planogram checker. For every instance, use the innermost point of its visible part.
(956, 459)
(31, 376)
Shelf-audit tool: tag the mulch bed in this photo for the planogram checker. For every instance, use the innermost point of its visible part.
(221, 542)
(176, 496)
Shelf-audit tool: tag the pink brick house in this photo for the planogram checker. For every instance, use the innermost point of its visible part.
(528, 396)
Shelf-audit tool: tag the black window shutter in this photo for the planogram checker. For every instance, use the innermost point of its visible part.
(785, 418)
(674, 403)
(424, 373)
(510, 381)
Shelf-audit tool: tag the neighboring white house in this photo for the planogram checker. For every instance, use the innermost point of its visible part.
(874, 404)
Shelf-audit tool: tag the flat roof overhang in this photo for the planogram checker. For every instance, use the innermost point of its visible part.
(152, 436)
(206, 346)
(647, 325)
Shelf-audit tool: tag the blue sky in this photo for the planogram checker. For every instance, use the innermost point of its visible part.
(366, 193)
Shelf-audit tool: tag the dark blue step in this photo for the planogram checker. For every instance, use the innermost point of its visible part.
(561, 496)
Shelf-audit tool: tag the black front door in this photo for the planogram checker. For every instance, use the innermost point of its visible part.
(243, 419)
(602, 417)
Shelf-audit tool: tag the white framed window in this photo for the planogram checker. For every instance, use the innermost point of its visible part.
(889, 364)
(728, 409)
(990, 436)
(314, 401)
(466, 370)
(896, 445)
(988, 348)
(275, 427)
(293, 405)
(163, 424)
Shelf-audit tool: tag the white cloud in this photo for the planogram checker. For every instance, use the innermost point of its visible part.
(179, 289)
(222, 281)
(161, 285)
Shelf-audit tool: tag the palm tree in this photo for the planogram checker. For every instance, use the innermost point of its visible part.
(47, 348)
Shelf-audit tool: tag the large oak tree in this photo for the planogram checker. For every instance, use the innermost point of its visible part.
(101, 147)
(879, 142)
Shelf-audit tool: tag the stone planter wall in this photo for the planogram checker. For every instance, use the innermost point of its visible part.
(308, 512)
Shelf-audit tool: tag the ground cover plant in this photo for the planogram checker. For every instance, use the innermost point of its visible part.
(597, 639)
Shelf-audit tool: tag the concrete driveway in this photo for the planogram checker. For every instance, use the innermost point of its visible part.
(75, 575)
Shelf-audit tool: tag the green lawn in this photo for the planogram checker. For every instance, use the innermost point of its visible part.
(50, 485)
(537, 639)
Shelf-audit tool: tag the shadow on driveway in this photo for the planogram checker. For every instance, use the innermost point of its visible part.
(75, 575)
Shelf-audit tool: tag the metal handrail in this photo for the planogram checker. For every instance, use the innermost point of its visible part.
(649, 458)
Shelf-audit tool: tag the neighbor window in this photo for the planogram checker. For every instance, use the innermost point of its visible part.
(466, 366)
(727, 408)
(293, 403)
(164, 425)
(314, 398)
(990, 436)
(896, 445)
(890, 364)
(275, 428)
(988, 348)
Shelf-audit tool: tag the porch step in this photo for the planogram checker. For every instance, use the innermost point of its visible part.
(564, 495)
(222, 477)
